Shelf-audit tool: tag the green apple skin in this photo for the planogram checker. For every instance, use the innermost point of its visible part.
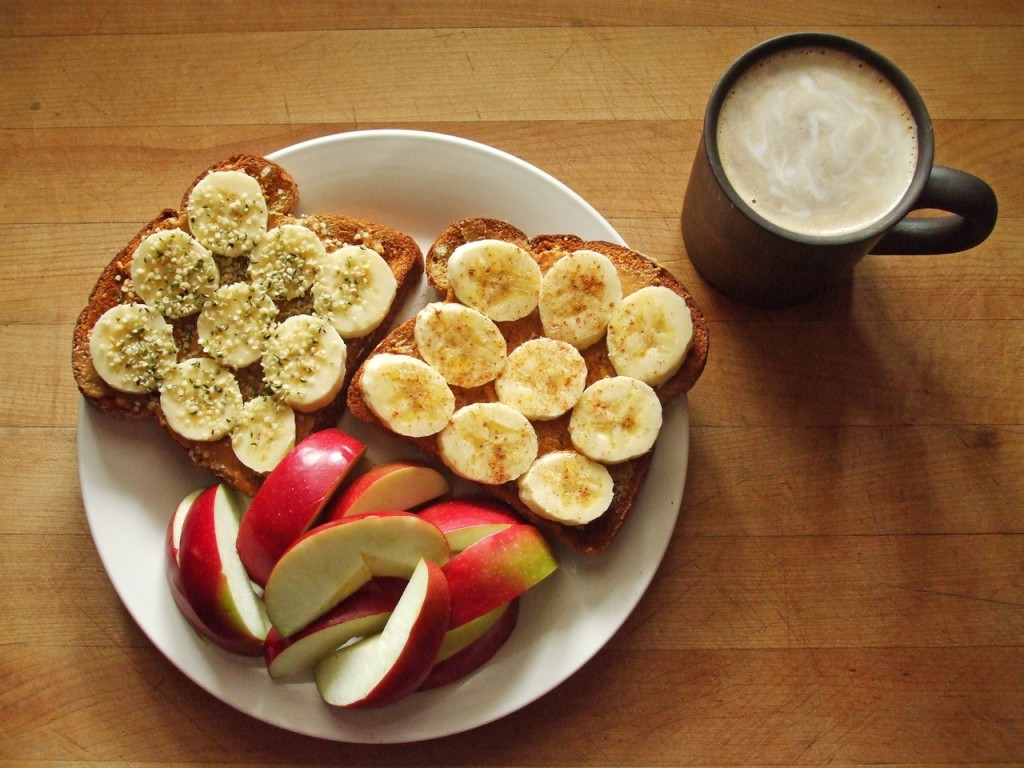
(475, 654)
(497, 569)
(467, 519)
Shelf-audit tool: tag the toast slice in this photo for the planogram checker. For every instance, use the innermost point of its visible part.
(635, 271)
(400, 252)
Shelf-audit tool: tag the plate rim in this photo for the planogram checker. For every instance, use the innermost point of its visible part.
(677, 414)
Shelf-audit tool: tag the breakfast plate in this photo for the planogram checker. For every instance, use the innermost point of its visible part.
(132, 475)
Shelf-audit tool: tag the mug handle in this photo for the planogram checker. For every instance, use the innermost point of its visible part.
(971, 204)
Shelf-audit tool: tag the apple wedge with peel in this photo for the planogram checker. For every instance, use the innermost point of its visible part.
(213, 580)
(364, 613)
(465, 652)
(393, 485)
(176, 524)
(467, 519)
(497, 569)
(456, 639)
(331, 561)
(381, 669)
(293, 496)
(172, 571)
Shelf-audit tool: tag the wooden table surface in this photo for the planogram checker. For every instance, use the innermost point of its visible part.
(845, 583)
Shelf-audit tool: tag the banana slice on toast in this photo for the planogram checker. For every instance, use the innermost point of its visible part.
(199, 320)
(556, 407)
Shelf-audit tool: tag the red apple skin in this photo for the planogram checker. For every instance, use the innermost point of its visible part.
(416, 659)
(198, 583)
(293, 496)
(240, 646)
(497, 569)
(467, 519)
(474, 655)
(372, 603)
(175, 525)
(410, 484)
(173, 573)
(463, 511)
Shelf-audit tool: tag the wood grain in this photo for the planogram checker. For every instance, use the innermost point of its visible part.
(702, 707)
(845, 583)
(121, 16)
(632, 169)
(577, 73)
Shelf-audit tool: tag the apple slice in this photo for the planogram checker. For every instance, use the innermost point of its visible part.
(465, 520)
(363, 613)
(394, 485)
(456, 639)
(213, 580)
(334, 559)
(176, 524)
(381, 669)
(467, 652)
(173, 571)
(293, 496)
(497, 569)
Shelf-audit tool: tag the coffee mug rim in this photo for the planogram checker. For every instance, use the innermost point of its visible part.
(925, 136)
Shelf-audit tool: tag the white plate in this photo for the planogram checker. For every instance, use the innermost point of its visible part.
(132, 475)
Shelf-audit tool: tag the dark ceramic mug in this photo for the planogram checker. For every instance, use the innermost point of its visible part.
(769, 252)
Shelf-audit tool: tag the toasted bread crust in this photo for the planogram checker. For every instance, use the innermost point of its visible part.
(636, 271)
(279, 187)
(113, 287)
(110, 290)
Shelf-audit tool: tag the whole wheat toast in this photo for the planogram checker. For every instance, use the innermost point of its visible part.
(635, 271)
(281, 191)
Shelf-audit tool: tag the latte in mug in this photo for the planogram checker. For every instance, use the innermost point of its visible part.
(817, 141)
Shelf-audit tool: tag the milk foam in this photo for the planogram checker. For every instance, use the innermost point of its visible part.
(817, 142)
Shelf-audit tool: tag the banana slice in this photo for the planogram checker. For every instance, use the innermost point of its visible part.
(489, 443)
(286, 261)
(615, 420)
(264, 434)
(304, 362)
(200, 399)
(649, 334)
(500, 279)
(174, 273)
(542, 379)
(567, 487)
(461, 343)
(235, 323)
(227, 212)
(577, 296)
(354, 290)
(405, 393)
(132, 346)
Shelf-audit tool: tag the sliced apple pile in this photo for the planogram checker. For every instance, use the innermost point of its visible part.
(335, 559)
(377, 583)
